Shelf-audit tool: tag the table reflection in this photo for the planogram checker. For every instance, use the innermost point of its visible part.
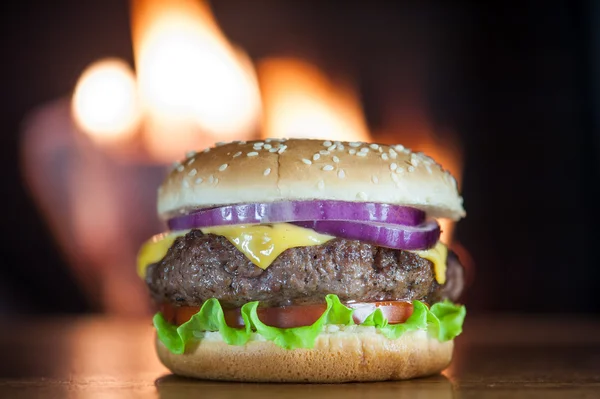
(435, 387)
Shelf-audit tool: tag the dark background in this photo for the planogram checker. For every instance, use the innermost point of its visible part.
(517, 82)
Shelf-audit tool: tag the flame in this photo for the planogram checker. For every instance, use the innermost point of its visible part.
(301, 101)
(195, 86)
(105, 104)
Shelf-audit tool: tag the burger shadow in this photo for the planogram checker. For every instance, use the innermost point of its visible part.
(175, 387)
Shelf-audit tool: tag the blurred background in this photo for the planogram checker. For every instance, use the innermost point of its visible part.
(99, 97)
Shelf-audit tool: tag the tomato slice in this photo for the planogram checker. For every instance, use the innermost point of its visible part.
(295, 316)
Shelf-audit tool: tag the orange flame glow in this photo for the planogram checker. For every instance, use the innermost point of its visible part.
(105, 104)
(195, 86)
(300, 101)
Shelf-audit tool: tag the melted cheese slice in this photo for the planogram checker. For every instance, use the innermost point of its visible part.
(262, 244)
(155, 249)
(437, 255)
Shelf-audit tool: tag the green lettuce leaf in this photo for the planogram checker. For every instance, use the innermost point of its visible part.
(300, 337)
(209, 318)
(443, 321)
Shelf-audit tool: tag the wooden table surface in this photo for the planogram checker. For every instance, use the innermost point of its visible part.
(496, 357)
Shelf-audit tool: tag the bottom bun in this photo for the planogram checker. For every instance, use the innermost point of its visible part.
(354, 353)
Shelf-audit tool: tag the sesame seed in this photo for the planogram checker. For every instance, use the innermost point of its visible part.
(375, 179)
(411, 168)
(393, 166)
(216, 180)
(237, 154)
(428, 169)
(273, 149)
(337, 142)
(399, 147)
(331, 147)
(259, 144)
(220, 143)
(211, 179)
(252, 154)
(355, 144)
(336, 159)
(192, 172)
(374, 146)
(384, 156)
(185, 183)
(180, 168)
(321, 184)
(191, 161)
(282, 149)
(352, 151)
(327, 143)
(364, 149)
(190, 154)
(267, 146)
(267, 171)
(324, 152)
(454, 182)
(206, 150)
(341, 173)
(393, 153)
(340, 147)
(316, 157)
(361, 195)
(306, 161)
(223, 167)
(327, 168)
(199, 180)
(176, 165)
(241, 142)
(268, 140)
(362, 154)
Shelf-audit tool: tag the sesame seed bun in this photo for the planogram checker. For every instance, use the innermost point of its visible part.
(300, 169)
(355, 353)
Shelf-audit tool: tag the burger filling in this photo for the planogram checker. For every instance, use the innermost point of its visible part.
(201, 266)
(240, 284)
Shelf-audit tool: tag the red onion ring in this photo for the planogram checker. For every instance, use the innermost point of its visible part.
(423, 236)
(294, 211)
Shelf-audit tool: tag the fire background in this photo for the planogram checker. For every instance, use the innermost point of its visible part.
(517, 84)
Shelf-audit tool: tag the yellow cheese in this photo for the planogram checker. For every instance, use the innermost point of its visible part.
(155, 249)
(260, 243)
(263, 243)
(438, 256)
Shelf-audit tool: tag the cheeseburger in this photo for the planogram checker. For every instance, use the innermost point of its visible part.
(305, 260)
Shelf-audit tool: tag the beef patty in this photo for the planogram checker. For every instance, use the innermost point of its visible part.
(201, 266)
